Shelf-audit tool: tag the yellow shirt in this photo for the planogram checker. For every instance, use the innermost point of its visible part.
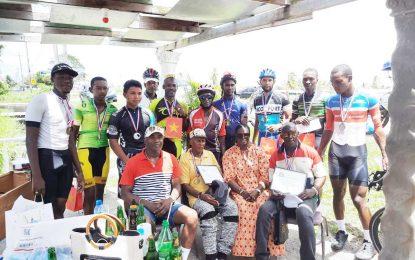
(189, 174)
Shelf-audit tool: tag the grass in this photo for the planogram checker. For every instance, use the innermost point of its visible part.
(376, 199)
(10, 128)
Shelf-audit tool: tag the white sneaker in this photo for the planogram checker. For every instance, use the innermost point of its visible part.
(366, 252)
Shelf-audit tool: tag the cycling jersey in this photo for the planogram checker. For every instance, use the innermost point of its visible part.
(85, 116)
(232, 109)
(121, 126)
(161, 112)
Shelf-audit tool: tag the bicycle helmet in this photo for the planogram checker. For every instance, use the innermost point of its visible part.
(227, 76)
(267, 73)
(205, 88)
(150, 74)
(387, 66)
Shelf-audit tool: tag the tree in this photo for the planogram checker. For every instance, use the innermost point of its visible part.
(293, 82)
(10, 82)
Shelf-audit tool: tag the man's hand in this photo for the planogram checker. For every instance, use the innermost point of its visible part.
(151, 206)
(38, 185)
(180, 111)
(246, 196)
(307, 193)
(209, 199)
(254, 194)
(385, 162)
(302, 120)
(80, 181)
(276, 195)
(163, 207)
(274, 128)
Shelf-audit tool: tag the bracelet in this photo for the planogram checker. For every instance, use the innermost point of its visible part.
(241, 191)
(315, 189)
(258, 190)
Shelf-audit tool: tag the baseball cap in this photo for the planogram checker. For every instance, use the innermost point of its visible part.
(153, 129)
(64, 67)
(198, 132)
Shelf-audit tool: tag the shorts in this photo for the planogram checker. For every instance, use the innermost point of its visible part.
(159, 220)
(57, 172)
(95, 165)
(349, 162)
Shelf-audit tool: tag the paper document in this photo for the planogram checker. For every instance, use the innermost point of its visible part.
(288, 182)
(313, 126)
(209, 173)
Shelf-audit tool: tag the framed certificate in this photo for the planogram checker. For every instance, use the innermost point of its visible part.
(209, 173)
(288, 182)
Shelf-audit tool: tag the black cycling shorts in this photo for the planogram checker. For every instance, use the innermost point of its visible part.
(349, 162)
(57, 172)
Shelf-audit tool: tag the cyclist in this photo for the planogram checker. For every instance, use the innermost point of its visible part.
(91, 120)
(346, 116)
(271, 108)
(166, 108)
(129, 125)
(151, 83)
(233, 109)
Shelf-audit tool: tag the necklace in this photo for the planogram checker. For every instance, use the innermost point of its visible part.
(289, 160)
(136, 134)
(265, 106)
(100, 120)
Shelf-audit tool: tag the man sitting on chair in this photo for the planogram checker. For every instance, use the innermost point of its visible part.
(294, 156)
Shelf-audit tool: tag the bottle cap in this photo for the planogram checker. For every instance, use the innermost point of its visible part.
(165, 223)
(98, 202)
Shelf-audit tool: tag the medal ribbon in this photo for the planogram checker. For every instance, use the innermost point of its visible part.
(289, 161)
(228, 115)
(100, 120)
(307, 111)
(68, 110)
(132, 120)
(194, 162)
(343, 114)
(209, 118)
(170, 110)
(264, 111)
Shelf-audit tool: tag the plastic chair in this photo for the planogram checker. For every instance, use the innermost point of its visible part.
(318, 220)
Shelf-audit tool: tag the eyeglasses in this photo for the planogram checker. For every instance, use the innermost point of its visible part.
(205, 96)
(241, 136)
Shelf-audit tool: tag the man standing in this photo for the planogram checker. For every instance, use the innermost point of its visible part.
(206, 206)
(310, 105)
(211, 120)
(152, 178)
(170, 113)
(346, 116)
(296, 156)
(233, 109)
(50, 141)
(91, 123)
(129, 125)
(151, 83)
(271, 108)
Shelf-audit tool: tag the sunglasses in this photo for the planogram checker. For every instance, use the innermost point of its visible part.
(205, 96)
(241, 136)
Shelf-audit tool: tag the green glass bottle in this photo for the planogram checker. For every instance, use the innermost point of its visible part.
(152, 253)
(120, 216)
(176, 252)
(132, 218)
(141, 218)
(108, 229)
(52, 253)
(165, 241)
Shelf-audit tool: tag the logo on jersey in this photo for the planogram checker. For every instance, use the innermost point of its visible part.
(270, 108)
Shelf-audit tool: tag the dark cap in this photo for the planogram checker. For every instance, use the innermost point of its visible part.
(64, 68)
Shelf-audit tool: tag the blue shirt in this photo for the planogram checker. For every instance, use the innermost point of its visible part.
(236, 112)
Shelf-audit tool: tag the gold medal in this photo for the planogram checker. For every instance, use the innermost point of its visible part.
(228, 122)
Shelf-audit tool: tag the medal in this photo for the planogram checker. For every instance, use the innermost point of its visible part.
(265, 106)
(228, 122)
(136, 135)
(227, 111)
(170, 110)
(342, 127)
(68, 113)
(344, 114)
(100, 120)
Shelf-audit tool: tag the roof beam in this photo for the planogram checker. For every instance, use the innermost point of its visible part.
(287, 14)
(4, 37)
(119, 5)
(275, 2)
(155, 23)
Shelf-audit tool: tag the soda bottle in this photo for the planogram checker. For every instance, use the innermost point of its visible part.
(141, 218)
(176, 252)
(52, 253)
(132, 218)
(120, 215)
(108, 229)
(152, 252)
(165, 241)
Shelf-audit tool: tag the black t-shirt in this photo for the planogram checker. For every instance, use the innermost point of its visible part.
(120, 126)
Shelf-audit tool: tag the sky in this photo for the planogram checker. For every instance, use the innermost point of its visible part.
(360, 34)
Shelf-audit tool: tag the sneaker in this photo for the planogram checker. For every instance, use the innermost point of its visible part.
(341, 238)
(366, 251)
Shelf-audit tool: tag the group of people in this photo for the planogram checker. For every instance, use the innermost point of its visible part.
(160, 145)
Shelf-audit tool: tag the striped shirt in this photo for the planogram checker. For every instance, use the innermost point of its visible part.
(151, 182)
(352, 130)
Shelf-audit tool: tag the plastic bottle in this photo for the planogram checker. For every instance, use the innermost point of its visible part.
(165, 241)
(120, 215)
(176, 252)
(99, 207)
(152, 252)
(141, 218)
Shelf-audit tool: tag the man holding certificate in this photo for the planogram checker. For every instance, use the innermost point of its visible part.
(296, 158)
(309, 110)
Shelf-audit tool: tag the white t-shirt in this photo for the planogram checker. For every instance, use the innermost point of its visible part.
(53, 114)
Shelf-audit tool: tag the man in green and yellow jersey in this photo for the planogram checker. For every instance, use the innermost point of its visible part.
(91, 122)
(309, 110)
(170, 114)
